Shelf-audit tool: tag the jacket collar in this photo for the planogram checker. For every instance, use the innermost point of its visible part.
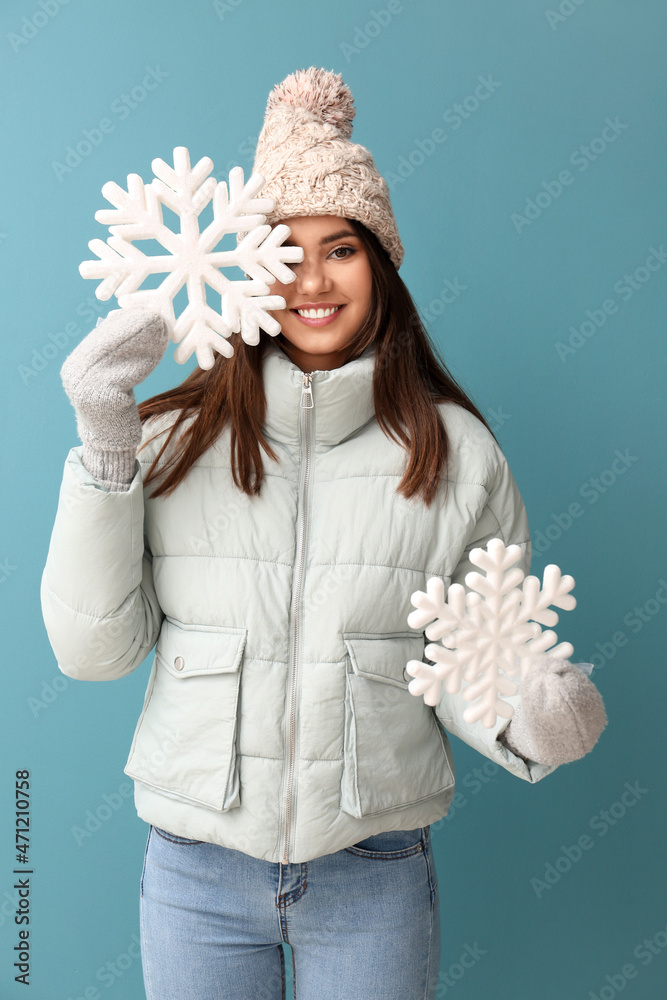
(342, 397)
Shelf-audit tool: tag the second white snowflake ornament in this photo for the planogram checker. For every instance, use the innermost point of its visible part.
(490, 633)
(191, 258)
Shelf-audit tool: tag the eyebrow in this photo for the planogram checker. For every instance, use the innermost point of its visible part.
(327, 239)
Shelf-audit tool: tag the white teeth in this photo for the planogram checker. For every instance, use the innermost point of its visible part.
(317, 313)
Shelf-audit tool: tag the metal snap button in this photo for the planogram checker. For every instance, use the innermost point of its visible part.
(179, 662)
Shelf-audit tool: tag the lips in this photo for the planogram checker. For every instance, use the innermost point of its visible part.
(321, 321)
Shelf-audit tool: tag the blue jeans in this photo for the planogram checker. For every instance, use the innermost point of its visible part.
(363, 923)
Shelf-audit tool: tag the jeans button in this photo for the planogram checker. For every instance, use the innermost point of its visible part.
(179, 662)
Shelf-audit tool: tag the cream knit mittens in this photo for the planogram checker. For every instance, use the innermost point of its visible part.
(560, 717)
(99, 377)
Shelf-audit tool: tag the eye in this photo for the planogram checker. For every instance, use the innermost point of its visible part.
(352, 251)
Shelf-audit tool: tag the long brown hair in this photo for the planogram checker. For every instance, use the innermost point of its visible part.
(409, 378)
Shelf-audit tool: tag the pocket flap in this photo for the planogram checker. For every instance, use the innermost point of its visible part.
(192, 650)
(383, 656)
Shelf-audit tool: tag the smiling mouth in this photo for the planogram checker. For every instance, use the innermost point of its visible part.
(318, 317)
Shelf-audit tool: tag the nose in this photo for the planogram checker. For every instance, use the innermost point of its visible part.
(311, 276)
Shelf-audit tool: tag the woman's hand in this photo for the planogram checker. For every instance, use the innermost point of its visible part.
(99, 377)
(560, 717)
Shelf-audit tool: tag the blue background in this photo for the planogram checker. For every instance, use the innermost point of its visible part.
(561, 413)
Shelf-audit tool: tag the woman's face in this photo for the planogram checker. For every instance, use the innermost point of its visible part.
(335, 274)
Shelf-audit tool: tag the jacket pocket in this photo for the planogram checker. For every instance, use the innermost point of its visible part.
(185, 739)
(395, 753)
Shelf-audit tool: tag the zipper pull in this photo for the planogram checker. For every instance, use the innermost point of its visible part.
(306, 391)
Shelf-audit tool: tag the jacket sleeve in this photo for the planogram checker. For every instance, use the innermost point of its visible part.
(503, 516)
(98, 600)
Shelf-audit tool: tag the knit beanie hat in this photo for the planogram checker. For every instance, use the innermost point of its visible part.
(309, 164)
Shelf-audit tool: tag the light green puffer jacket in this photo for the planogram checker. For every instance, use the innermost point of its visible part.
(277, 718)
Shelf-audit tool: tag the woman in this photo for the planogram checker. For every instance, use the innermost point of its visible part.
(306, 487)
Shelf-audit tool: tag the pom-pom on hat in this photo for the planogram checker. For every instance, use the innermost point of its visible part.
(310, 165)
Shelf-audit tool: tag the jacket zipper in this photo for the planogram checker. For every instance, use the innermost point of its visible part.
(305, 408)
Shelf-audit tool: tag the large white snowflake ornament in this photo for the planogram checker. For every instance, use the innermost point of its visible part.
(487, 635)
(191, 258)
